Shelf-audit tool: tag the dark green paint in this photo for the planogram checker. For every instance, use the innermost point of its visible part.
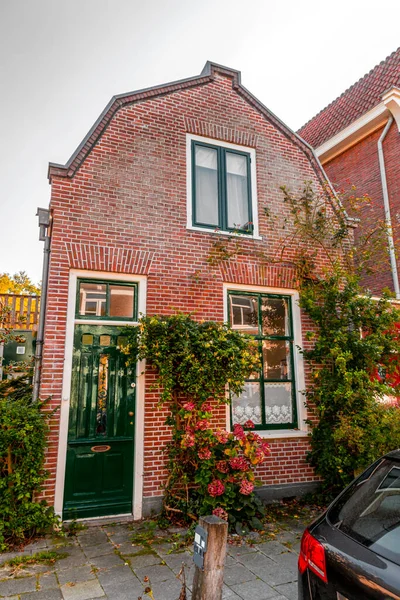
(106, 317)
(99, 483)
(261, 337)
(222, 199)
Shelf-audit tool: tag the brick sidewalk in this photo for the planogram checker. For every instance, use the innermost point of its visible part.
(101, 563)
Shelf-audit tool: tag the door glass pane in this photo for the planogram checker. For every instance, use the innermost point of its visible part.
(276, 359)
(102, 389)
(278, 403)
(237, 191)
(244, 313)
(247, 405)
(92, 299)
(121, 301)
(105, 340)
(206, 181)
(87, 339)
(275, 316)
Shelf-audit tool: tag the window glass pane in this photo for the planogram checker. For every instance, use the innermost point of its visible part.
(276, 359)
(247, 405)
(121, 301)
(237, 191)
(206, 184)
(275, 316)
(105, 340)
(87, 339)
(278, 403)
(92, 299)
(244, 313)
(369, 511)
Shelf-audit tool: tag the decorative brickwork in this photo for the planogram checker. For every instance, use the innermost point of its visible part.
(109, 259)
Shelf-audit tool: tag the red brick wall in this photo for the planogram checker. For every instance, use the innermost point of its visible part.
(125, 211)
(359, 166)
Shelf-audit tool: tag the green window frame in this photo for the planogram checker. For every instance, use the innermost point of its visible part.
(222, 219)
(102, 300)
(275, 382)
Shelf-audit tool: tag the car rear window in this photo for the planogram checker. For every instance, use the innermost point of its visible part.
(369, 511)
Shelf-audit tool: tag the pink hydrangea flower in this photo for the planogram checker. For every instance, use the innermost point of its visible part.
(204, 454)
(188, 440)
(238, 431)
(206, 407)
(222, 466)
(249, 424)
(216, 488)
(202, 424)
(189, 406)
(238, 463)
(222, 436)
(266, 448)
(246, 487)
(221, 513)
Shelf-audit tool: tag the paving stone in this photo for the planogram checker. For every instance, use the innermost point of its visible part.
(99, 550)
(92, 539)
(237, 551)
(48, 581)
(228, 594)
(238, 574)
(272, 548)
(125, 590)
(10, 598)
(35, 546)
(275, 575)
(155, 573)
(174, 561)
(167, 590)
(287, 559)
(126, 549)
(84, 590)
(76, 575)
(144, 560)
(120, 538)
(17, 586)
(256, 590)
(256, 561)
(76, 559)
(43, 595)
(107, 561)
(116, 575)
(288, 590)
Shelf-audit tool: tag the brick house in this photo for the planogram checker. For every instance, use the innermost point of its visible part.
(164, 173)
(357, 140)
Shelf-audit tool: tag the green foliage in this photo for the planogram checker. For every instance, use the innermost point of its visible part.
(23, 429)
(47, 557)
(192, 358)
(19, 283)
(354, 335)
(208, 470)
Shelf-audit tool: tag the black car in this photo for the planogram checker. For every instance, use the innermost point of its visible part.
(352, 552)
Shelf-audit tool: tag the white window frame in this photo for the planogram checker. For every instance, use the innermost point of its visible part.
(298, 359)
(253, 182)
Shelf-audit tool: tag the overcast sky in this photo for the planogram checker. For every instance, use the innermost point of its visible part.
(62, 60)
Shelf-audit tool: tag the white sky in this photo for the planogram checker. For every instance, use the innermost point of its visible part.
(62, 60)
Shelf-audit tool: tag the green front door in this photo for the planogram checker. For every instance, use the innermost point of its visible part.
(99, 471)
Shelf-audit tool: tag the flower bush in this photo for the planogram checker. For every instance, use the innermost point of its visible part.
(210, 470)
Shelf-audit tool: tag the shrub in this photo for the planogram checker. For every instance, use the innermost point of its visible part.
(23, 430)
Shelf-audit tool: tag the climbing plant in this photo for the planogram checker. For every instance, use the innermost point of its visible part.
(209, 469)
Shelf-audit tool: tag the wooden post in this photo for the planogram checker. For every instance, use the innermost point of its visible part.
(208, 582)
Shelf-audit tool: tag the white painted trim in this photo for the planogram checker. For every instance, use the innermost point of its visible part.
(66, 385)
(253, 177)
(391, 98)
(302, 431)
(347, 137)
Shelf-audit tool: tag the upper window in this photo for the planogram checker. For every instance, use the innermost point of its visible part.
(269, 395)
(106, 300)
(221, 188)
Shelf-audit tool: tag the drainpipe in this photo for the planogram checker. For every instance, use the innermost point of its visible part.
(44, 224)
(388, 220)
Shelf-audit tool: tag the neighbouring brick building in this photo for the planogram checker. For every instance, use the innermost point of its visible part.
(163, 173)
(357, 140)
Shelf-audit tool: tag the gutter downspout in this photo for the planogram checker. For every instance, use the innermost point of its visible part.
(388, 220)
(44, 223)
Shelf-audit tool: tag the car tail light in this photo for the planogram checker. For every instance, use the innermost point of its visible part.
(312, 556)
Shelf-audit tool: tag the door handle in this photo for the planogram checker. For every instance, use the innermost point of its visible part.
(130, 413)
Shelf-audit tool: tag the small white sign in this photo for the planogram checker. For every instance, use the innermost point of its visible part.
(20, 349)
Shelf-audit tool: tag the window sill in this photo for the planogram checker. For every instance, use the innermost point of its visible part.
(283, 433)
(219, 232)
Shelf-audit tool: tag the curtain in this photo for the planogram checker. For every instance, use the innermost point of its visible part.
(237, 191)
(206, 186)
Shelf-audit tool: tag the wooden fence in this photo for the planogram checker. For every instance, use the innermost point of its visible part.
(19, 311)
